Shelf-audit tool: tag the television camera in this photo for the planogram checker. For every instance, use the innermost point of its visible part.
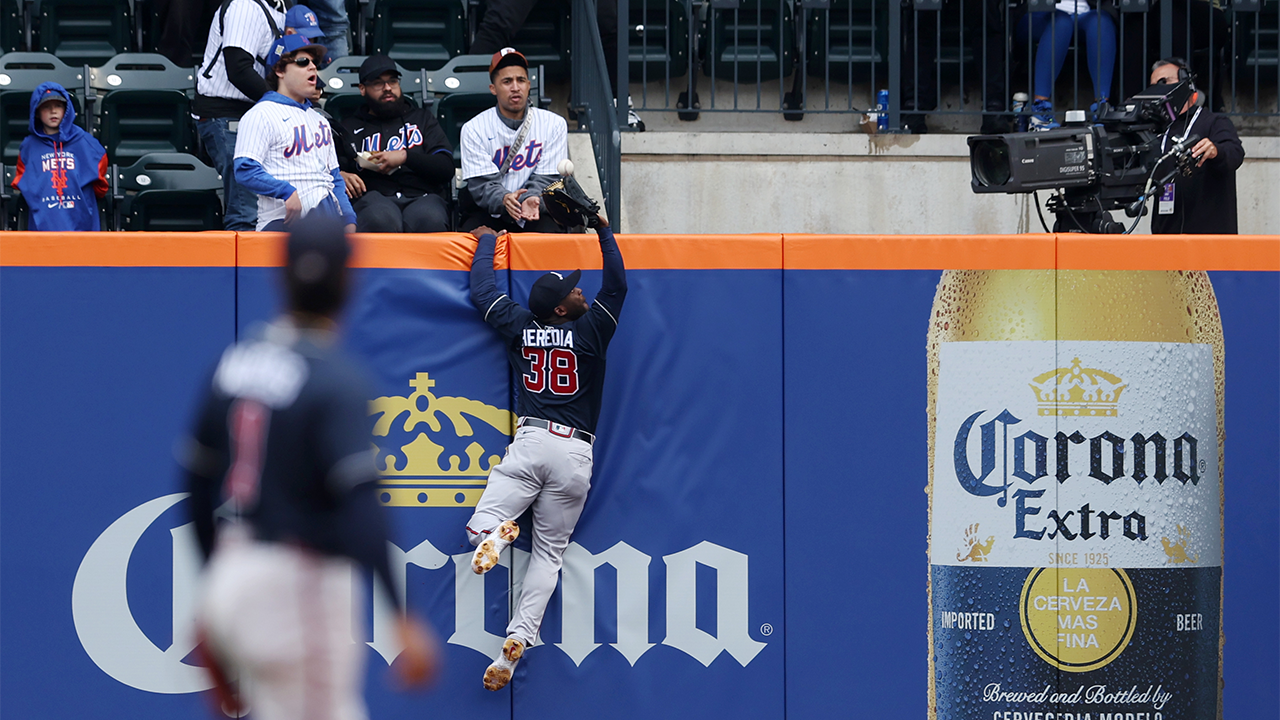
(1117, 162)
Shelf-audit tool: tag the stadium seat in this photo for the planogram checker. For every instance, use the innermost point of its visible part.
(1258, 39)
(750, 40)
(13, 208)
(85, 32)
(171, 192)
(659, 40)
(546, 37)
(418, 34)
(12, 26)
(146, 108)
(20, 74)
(847, 41)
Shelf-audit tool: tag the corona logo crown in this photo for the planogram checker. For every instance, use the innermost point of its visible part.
(1078, 392)
(422, 463)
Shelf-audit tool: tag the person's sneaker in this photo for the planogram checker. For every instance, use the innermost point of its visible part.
(498, 674)
(634, 122)
(487, 552)
(1042, 115)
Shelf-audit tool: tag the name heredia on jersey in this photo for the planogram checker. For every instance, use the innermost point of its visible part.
(547, 337)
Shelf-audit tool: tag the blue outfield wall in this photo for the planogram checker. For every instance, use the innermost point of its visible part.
(753, 546)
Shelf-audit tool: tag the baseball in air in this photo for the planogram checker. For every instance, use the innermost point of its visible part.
(565, 167)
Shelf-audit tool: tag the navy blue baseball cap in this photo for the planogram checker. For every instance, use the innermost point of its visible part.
(549, 290)
(316, 255)
(293, 43)
(374, 66)
(303, 21)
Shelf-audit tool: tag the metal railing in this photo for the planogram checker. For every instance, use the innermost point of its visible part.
(592, 99)
(954, 60)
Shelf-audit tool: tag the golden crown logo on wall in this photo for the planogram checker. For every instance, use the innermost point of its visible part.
(1078, 392)
(421, 472)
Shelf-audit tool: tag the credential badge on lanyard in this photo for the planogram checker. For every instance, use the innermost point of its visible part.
(1166, 203)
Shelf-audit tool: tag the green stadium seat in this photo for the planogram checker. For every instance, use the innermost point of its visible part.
(750, 40)
(170, 192)
(146, 106)
(418, 34)
(85, 32)
(658, 44)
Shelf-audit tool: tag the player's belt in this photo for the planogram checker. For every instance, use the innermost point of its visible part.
(557, 429)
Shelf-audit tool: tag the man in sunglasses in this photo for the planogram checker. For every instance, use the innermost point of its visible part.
(285, 151)
(401, 179)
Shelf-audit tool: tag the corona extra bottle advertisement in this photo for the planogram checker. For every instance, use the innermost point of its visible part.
(1076, 534)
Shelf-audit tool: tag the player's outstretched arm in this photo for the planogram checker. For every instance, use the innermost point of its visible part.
(500, 311)
(484, 284)
(613, 285)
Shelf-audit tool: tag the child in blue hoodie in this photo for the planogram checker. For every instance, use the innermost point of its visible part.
(62, 170)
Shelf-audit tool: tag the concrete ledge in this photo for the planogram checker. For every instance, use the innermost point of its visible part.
(759, 146)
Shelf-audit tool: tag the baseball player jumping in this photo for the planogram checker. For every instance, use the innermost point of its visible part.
(284, 150)
(284, 498)
(557, 348)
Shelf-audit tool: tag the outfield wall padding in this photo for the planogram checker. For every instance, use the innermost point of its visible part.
(754, 542)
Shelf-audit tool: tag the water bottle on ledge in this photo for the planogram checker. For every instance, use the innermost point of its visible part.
(882, 110)
(1019, 110)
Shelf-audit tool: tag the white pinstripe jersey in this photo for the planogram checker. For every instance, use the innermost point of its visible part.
(486, 139)
(244, 26)
(292, 144)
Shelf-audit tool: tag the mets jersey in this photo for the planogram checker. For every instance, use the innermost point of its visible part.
(560, 367)
(294, 146)
(486, 140)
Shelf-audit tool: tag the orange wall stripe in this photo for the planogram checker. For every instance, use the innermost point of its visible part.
(443, 251)
(918, 252)
(110, 249)
(649, 252)
(1168, 252)
(453, 251)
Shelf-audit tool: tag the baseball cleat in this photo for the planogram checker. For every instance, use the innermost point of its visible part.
(487, 552)
(498, 674)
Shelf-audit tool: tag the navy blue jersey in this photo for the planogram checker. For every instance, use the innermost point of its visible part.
(559, 368)
(283, 443)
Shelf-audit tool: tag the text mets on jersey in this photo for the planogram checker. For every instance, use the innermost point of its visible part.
(548, 337)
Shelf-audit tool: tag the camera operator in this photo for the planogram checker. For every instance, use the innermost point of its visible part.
(1205, 201)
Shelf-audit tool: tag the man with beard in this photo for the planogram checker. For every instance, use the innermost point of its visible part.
(398, 172)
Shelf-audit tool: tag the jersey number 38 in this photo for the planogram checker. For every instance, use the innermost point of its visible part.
(555, 369)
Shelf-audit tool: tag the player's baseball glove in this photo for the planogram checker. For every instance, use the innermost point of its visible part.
(568, 205)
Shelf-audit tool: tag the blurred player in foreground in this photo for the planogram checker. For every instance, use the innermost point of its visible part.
(284, 500)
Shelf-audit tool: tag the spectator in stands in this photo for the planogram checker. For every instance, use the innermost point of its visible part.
(510, 153)
(401, 181)
(1053, 31)
(332, 15)
(1205, 202)
(230, 81)
(301, 20)
(285, 151)
(62, 170)
(502, 19)
(984, 26)
(181, 25)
